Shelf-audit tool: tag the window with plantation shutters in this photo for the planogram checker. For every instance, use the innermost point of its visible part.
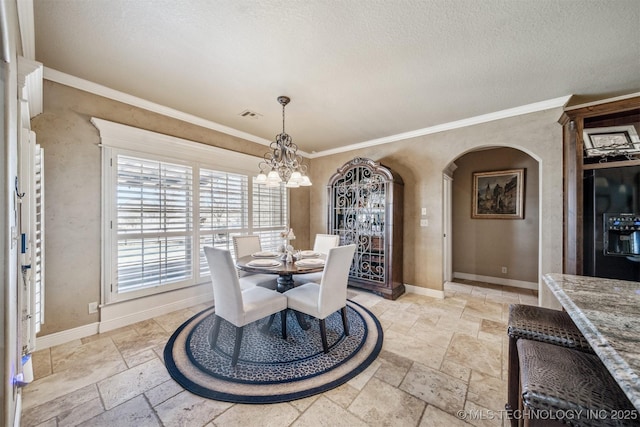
(164, 199)
(154, 223)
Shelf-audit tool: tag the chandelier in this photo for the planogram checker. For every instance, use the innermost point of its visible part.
(283, 163)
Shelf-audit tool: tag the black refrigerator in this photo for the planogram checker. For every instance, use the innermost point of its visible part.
(612, 223)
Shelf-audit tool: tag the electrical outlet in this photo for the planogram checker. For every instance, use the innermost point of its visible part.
(424, 223)
(504, 270)
(93, 307)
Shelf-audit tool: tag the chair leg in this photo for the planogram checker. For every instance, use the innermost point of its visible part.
(236, 349)
(345, 322)
(213, 335)
(323, 335)
(283, 320)
(270, 322)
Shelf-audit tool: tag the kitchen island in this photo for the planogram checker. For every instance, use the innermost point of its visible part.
(607, 312)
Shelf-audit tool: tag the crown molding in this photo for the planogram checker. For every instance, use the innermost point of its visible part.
(511, 112)
(87, 86)
(96, 89)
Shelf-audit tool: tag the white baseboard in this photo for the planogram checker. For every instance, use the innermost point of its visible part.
(123, 314)
(139, 316)
(66, 336)
(496, 280)
(419, 290)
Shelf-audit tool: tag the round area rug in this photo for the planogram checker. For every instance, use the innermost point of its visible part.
(271, 369)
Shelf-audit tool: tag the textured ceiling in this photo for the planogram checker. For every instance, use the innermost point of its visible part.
(356, 70)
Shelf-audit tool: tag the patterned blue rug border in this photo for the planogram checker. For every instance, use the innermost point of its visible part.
(202, 391)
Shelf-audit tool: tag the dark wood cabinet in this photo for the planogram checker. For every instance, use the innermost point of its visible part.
(365, 208)
(578, 164)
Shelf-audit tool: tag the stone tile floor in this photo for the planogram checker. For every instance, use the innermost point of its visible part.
(443, 363)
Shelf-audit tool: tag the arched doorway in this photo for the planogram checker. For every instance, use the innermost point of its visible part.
(494, 250)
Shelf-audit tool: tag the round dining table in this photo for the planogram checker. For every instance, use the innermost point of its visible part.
(285, 270)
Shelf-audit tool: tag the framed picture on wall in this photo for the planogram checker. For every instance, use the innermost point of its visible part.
(611, 141)
(498, 194)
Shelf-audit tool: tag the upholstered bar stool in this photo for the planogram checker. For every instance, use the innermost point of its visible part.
(538, 324)
(561, 386)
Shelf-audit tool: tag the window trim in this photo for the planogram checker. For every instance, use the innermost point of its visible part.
(111, 293)
(117, 139)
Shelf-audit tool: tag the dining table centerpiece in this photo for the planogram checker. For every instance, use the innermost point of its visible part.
(287, 248)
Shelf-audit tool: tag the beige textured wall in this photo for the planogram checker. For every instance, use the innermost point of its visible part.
(72, 173)
(72, 169)
(299, 216)
(483, 246)
(421, 161)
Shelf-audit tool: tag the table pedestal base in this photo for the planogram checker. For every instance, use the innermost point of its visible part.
(285, 282)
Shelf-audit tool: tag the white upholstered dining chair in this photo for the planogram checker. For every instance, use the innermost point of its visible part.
(247, 245)
(324, 242)
(321, 300)
(236, 306)
(321, 245)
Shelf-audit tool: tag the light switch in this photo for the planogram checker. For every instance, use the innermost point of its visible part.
(424, 211)
(424, 223)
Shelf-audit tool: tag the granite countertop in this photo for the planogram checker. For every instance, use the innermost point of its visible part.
(607, 312)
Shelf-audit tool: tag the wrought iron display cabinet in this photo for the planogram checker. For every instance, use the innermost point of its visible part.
(365, 208)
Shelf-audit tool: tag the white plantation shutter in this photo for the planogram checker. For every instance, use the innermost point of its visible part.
(223, 201)
(32, 239)
(154, 217)
(38, 241)
(269, 214)
(224, 204)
